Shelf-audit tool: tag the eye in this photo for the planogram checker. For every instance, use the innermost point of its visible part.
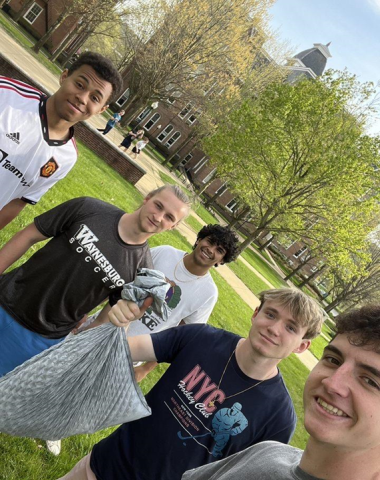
(170, 218)
(331, 360)
(95, 99)
(80, 85)
(292, 328)
(371, 383)
(158, 205)
(270, 315)
(221, 251)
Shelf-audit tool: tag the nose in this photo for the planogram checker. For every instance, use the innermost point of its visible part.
(82, 97)
(274, 328)
(338, 381)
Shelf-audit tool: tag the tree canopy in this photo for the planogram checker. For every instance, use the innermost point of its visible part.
(299, 152)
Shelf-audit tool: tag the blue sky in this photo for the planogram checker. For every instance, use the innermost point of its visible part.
(352, 27)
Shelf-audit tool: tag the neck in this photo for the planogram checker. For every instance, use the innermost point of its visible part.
(188, 261)
(331, 463)
(129, 230)
(252, 365)
(58, 128)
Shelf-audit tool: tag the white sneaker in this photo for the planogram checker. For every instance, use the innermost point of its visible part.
(54, 446)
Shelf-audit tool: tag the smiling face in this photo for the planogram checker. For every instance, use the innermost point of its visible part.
(342, 397)
(82, 94)
(207, 254)
(275, 333)
(161, 212)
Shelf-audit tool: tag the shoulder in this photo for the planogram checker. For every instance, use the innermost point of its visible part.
(167, 250)
(20, 89)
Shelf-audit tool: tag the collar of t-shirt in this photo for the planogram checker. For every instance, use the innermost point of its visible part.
(45, 129)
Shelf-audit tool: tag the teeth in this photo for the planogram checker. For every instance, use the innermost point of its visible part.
(330, 409)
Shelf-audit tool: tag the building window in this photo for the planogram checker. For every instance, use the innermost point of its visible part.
(123, 98)
(232, 205)
(152, 121)
(144, 114)
(186, 159)
(172, 139)
(182, 114)
(33, 13)
(192, 118)
(161, 137)
(300, 252)
(202, 162)
(209, 176)
(170, 100)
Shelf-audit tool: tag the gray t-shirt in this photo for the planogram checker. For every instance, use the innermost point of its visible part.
(84, 262)
(264, 461)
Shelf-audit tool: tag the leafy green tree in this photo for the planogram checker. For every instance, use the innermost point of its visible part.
(296, 152)
(191, 48)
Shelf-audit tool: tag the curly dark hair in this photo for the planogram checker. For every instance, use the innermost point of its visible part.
(103, 67)
(222, 236)
(361, 325)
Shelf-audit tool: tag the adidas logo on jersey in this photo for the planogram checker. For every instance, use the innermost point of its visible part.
(14, 136)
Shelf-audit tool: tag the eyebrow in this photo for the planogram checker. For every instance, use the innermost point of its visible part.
(291, 319)
(369, 368)
(85, 79)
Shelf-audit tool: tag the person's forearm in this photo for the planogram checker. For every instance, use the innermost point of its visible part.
(10, 211)
(142, 370)
(18, 245)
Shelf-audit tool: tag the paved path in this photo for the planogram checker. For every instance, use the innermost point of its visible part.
(148, 182)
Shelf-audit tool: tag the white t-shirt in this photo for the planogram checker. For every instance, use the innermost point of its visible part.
(30, 163)
(191, 298)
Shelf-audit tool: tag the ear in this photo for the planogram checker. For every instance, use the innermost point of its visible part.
(103, 108)
(305, 344)
(63, 76)
(255, 312)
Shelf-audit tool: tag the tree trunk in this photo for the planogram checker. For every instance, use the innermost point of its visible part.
(240, 216)
(333, 304)
(23, 10)
(265, 245)
(313, 275)
(217, 194)
(297, 269)
(41, 42)
(207, 185)
(247, 242)
(57, 52)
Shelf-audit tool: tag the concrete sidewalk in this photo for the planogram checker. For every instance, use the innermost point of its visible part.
(148, 182)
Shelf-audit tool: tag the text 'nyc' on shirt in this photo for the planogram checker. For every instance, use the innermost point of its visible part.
(75, 271)
(30, 163)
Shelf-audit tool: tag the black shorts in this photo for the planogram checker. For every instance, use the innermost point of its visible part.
(135, 150)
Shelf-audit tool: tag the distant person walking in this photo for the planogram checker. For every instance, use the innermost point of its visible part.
(139, 146)
(112, 122)
(126, 143)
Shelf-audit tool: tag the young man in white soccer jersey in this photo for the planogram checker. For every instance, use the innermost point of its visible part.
(37, 146)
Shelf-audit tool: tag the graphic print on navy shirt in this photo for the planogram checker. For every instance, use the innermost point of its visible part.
(197, 390)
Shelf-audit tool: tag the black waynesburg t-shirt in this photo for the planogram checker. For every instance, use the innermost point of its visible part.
(75, 271)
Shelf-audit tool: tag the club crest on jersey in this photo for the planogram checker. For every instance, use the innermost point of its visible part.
(50, 167)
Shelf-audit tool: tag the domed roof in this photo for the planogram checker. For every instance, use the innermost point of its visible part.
(315, 58)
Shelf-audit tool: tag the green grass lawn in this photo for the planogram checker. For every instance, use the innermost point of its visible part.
(248, 277)
(262, 267)
(205, 215)
(193, 223)
(23, 38)
(27, 459)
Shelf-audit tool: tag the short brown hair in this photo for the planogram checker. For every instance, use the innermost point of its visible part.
(303, 308)
(361, 325)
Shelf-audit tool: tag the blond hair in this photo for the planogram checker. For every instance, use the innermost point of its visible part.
(178, 192)
(304, 309)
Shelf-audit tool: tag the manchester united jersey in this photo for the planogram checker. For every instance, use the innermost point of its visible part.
(30, 163)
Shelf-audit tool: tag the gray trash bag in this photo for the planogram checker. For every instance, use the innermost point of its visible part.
(149, 283)
(81, 385)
